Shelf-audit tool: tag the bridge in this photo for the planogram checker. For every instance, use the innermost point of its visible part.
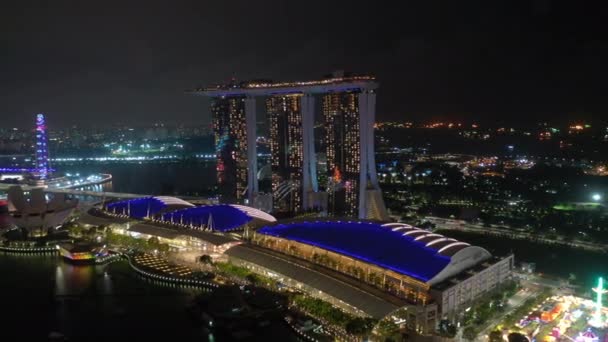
(74, 189)
(96, 194)
(23, 170)
(75, 192)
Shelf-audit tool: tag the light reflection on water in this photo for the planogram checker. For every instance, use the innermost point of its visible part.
(77, 300)
(73, 280)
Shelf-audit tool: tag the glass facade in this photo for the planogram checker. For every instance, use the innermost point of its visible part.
(343, 151)
(230, 132)
(286, 148)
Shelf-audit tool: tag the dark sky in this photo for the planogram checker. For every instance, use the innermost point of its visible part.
(97, 62)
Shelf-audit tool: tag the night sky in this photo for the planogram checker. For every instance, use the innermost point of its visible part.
(99, 62)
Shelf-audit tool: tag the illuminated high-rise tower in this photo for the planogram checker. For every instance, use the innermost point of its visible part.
(343, 151)
(42, 148)
(230, 131)
(353, 188)
(349, 108)
(286, 148)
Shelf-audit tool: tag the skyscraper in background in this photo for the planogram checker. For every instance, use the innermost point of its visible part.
(286, 148)
(230, 133)
(42, 148)
(342, 149)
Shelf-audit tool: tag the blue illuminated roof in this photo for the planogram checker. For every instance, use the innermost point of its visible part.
(225, 217)
(370, 242)
(138, 208)
(176, 211)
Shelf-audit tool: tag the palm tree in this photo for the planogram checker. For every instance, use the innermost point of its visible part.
(294, 250)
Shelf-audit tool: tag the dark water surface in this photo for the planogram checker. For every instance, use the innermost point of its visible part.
(186, 179)
(41, 294)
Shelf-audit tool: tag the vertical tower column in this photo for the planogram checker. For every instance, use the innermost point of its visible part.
(371, 151)
(309, 165)
(371, 204)
(42, 148)
(252, 154)
(363, 107)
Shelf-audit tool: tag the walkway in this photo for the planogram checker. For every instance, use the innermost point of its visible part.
(514, 302)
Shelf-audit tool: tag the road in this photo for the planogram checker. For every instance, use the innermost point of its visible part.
(532, 286)
(76, 192)
(513, 303)
(459, 225)
(102, 194)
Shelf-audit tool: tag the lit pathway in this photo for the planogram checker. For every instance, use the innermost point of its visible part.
(513, 303)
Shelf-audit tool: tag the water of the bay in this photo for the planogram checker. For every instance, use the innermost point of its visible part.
(44, 294)
(186, 178)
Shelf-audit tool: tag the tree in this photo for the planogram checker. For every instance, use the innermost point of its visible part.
(319, 308)
(205, 259)
(90, 233)
(75, 229)
(495, 336)
(447, 329)
(294, 250)
(386, 328)
(468, 316)
(360, 326)
(510, 289)
(163, 248)
(252, 278)
(374, 278)
(482, 312)
(469, 333)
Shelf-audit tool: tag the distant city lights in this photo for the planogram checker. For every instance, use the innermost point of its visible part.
(208, 156)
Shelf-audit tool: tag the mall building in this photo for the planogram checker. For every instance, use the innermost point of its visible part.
(184, 226)
(437, 276)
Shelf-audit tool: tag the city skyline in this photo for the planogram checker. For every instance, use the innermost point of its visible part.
(501, 61)
(290, 171)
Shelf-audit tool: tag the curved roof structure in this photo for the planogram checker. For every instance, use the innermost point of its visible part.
(148, 206)
(222, 217)
(255, 213)
(402, 248)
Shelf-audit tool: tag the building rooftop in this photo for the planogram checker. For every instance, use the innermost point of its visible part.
(170, 233)
(401, 248)
(221, 217)
(460, 277)
(80, 247)
(352, 295)
(337, 82)
(148, 206)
